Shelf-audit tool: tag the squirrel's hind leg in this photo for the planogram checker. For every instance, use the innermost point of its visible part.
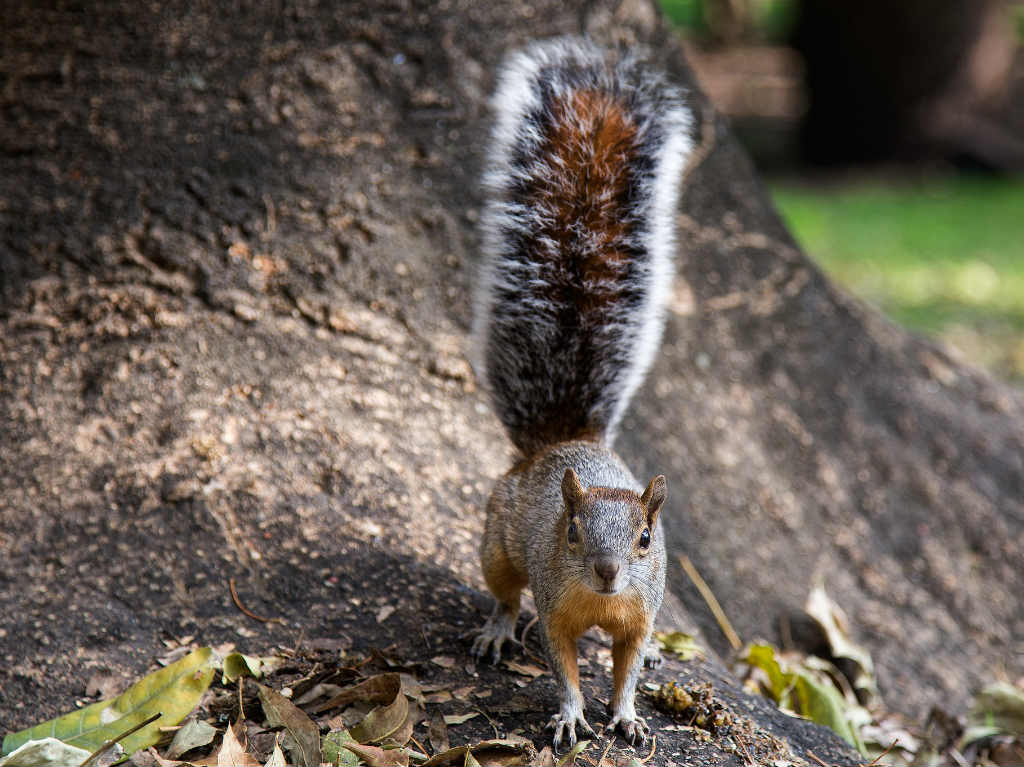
(506, 583)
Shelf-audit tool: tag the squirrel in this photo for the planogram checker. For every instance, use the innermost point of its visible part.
(586, 159)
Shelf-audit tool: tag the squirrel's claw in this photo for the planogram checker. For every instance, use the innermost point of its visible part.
(634, 730)
(492, 637)
(652, 656)
(565, 723)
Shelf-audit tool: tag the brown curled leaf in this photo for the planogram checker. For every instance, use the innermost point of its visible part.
(304, 742)
(377, 689)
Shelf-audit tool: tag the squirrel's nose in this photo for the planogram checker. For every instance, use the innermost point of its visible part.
(607, 568)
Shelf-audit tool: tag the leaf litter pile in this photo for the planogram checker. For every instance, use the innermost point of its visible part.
(835, 686)
(219, 708)
(216, 706)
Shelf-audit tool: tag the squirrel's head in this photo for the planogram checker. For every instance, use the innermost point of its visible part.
(610, 532)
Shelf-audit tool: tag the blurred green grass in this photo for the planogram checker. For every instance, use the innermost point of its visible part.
(944, 257)
(771, 20)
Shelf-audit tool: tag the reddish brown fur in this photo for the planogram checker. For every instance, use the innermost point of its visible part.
(590, 147)
(503, 579)
(624, 650)
(624, 616)
(579, 608)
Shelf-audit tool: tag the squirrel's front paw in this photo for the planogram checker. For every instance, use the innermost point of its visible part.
(652, 655)
(565, 722)
(498, 630)
(633, 729)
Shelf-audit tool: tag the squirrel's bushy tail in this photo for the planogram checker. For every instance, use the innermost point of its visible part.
(578, 238)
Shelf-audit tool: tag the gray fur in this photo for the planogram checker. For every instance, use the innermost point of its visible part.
(520, 314)
(532, 501)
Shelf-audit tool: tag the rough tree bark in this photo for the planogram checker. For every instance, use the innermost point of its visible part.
(236, 251)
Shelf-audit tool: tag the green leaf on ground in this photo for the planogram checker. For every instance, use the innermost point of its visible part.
(570, 758)
(997, 710)
(237, 665)
(335, 751)
(763, 657)
(802, 686)
(682, 644)
(821, 702)
(172, 691)
(824, 610)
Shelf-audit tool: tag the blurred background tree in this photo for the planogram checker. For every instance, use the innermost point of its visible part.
(892, 134)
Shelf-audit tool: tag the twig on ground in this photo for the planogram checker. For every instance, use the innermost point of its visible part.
(654, 747)
(494, 726)
(746, 751)
(814, 756)
(113, 741)
(241, 708)
(958, 758)
(712, 602)
(249, 613)
(418, 744)
(878, 758)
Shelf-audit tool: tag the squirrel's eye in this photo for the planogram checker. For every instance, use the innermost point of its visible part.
(645, 539)
(574, 534)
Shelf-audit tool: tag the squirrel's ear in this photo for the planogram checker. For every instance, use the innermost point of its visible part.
(572, 490)
(653, 497)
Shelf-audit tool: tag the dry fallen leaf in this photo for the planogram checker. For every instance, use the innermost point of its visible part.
(276, 757)
(383, 721)
(232, 752)
(526, 669)
(193, 734)
(379, 757)
(159, 760)
(546, 757)
(444, 661)
(437, 734)
(304, 741)
(504, 752)
(317, 691)
(454, 719)
(381, 688)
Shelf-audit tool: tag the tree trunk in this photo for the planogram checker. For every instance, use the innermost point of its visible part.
(237, 250)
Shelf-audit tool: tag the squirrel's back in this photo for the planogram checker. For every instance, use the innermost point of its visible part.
(578, 237)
